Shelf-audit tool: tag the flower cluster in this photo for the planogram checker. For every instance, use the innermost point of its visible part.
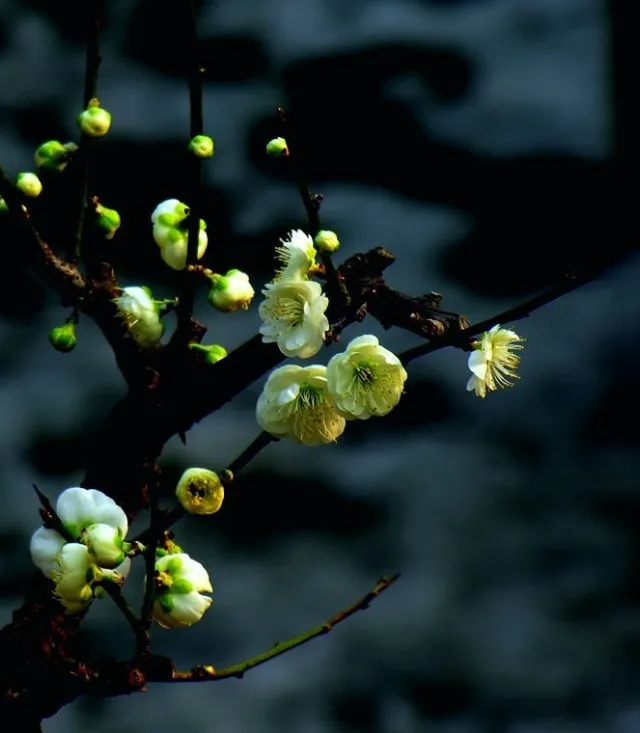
(97, 554)
(170, 232)
(312, 404)
(90, 550)
(293, 311)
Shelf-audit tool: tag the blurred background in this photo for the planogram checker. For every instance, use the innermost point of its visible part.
(474, 139)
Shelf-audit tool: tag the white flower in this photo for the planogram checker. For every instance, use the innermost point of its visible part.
(200, 491)
(77, 509)
(141, 314)
(105, 543)
(293, 317)
(492, 362)
(295, 404)
(73, 575)
(366, 379)
(231, 292)
(297, 255)
(180, 582)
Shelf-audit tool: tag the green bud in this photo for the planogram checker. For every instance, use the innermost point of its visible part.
(4, 209)
(277, 147)
(108, 220)
(202, 146)
(210, 354)
(63, 338)
(29, 184)
(326, 241)
(53, 154)
(94, 121)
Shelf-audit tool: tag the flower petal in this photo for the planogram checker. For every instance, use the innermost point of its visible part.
(478, 363)
(45, 548)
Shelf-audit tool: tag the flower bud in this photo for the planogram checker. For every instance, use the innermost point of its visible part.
(326, 241)
(4, 209)
(173, 207)
(277, 147)
(211, 354)
(179, 584)
(94, 121)
(51, 154)
(200, 491)
(105, 545)
(231, 292)
(108, 220)
(202, 146)
(29, 184)
(63, 338)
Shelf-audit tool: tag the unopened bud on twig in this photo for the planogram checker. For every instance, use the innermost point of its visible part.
(108, 220)
(29, 184)
(94, 121)
(212, 353)
(277, 147)
(326, 241)
(202, 146)
(63, 338)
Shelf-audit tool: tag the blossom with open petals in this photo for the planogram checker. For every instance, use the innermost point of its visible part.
(91, 518)
(295, 403)
(366, 379)
(297, 255)
(293, 316)
(492, 361)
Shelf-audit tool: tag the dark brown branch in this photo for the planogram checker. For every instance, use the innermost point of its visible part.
(462, 338)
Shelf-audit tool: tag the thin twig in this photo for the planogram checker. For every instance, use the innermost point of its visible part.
(168, 519)
(251, 451)
(196, 127)
(113, 590)
(203, 673)
(312, 203)
(570, 282)
(93, 60)
(155, 531)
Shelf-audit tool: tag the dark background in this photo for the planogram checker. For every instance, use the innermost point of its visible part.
(474, 139)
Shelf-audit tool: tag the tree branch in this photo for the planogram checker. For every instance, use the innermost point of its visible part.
(461, 339)
(203, 673)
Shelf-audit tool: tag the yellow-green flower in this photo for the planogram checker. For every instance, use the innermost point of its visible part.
(492, 362)
(295, 404)
(366, 379)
